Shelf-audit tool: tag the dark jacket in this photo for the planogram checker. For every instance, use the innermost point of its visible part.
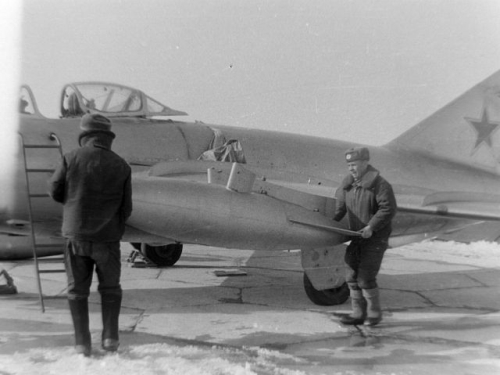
(94, 185)
(369, 202)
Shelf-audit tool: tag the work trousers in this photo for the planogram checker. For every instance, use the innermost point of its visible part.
(81, 257)
(364, 258)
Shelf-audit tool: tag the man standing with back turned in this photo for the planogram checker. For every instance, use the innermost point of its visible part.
(94, 185)
(369, 202)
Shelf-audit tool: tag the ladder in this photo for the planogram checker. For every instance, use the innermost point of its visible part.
(29, 170)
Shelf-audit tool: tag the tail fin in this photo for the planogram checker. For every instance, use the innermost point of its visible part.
(466, 131)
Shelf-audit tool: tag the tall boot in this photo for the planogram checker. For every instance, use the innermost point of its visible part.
(374, 312)
(79, 309)
(110, 305)
(358, 314)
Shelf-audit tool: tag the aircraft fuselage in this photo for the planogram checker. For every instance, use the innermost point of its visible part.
(273, 155)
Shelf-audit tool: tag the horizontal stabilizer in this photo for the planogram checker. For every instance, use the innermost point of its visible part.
(456, 204)
(444, 197)
(476, 231)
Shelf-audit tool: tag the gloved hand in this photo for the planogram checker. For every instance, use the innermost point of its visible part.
(366, 232)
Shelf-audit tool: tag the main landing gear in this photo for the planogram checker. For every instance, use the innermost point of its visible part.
(159, 256)
(327, 297)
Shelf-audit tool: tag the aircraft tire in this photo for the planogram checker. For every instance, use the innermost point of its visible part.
(328, 297)
(162, 256)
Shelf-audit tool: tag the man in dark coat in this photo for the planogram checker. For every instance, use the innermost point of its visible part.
(369, 202)
(94, 185)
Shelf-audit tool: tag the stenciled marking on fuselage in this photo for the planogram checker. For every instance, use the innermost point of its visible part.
(484, 129)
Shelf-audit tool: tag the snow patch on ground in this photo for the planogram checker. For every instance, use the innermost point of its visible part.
(150, 359)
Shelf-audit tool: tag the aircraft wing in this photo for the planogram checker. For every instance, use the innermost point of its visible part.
(472, 216)
(15, 228)
(50, 229)
(16, 243)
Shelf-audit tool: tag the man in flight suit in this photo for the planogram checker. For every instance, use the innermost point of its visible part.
(369, 202)
(94, 185)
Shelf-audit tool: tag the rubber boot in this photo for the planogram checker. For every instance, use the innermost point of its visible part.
(80, 314)
(374, 312)
(358, 314)
(110, 305)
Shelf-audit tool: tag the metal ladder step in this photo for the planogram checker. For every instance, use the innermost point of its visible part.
(40, 170)
(56, 260)
(41, 146)
(50, 261)
(40, 195)
(51, 271)
(46, 245)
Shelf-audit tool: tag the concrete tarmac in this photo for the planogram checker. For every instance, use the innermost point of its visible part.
(440, 316)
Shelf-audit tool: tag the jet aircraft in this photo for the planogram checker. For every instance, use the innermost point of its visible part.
(238, 188)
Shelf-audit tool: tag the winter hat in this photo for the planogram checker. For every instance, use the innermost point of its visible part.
(357, 153)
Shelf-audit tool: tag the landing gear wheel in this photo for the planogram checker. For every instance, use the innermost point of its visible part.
(162, 256)
(327, 297)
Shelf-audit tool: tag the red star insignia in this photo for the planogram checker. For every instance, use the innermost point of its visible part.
(484, 129)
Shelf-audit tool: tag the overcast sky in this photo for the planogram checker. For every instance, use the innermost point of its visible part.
(361, 70)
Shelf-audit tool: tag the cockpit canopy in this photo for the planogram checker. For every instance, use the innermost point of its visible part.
(111, 100)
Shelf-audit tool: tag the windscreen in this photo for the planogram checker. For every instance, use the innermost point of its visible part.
(111, 99)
